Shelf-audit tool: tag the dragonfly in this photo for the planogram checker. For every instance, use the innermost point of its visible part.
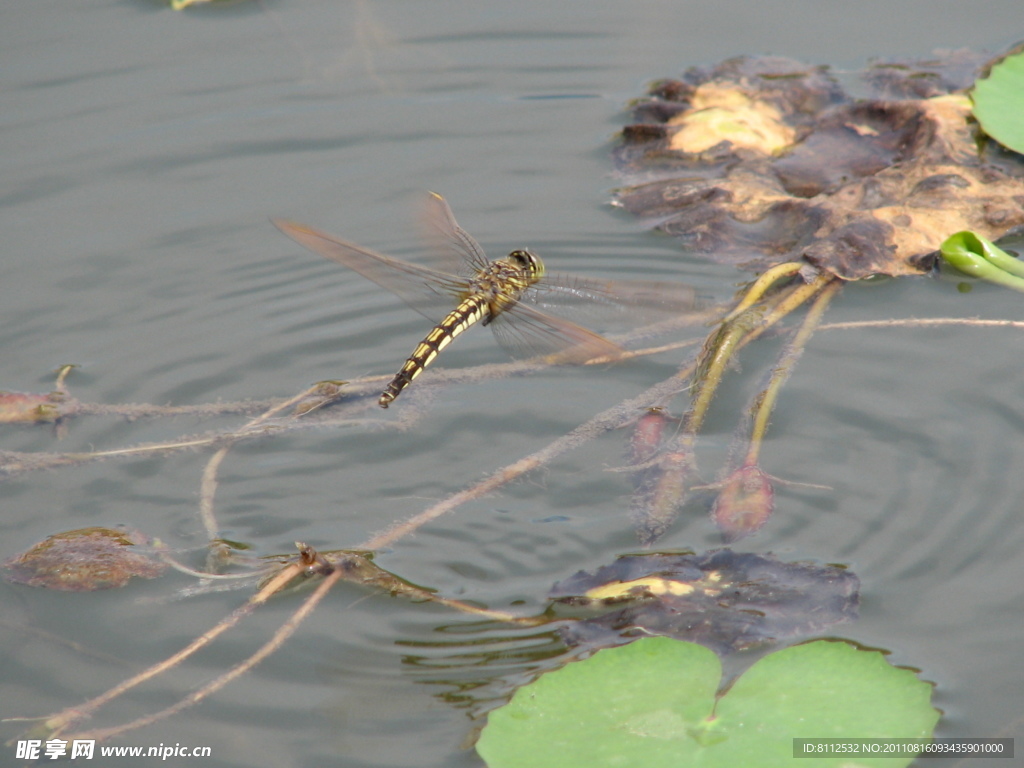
(515, 295)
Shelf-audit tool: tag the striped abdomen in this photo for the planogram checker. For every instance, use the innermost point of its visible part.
(470, 311)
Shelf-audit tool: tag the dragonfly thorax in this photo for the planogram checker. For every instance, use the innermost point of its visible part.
(503, 281)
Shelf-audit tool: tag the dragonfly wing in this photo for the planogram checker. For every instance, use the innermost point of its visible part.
(430, 292)
(456, 248)
(524, 331)
(615, 305)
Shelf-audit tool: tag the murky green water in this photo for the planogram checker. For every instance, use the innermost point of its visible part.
(143, 153)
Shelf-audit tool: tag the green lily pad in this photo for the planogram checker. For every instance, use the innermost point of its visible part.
(999, 101)
(653, 703)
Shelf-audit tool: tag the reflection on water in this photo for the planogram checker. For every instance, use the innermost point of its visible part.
(484, 669)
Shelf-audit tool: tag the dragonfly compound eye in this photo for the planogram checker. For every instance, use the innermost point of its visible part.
(529, 262)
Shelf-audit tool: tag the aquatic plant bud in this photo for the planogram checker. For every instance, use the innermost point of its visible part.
(744, 504)
(645, 440)
(974, 255)
(661, 493)
(660, 482)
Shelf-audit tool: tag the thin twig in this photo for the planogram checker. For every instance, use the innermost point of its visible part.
(282, 634)
(922, 322)
(60, 721)
(208, 485)
(16, 463)
(613, 418)
(209, 576)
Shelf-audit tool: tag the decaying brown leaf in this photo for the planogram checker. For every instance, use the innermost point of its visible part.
(760, 161)
(35, 408)
(83, 560)
(726, 600)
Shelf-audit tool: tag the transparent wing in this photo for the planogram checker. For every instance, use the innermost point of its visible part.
(527, 328)
(456, 249)
(614, 305)
(524, 331)
(430, 292)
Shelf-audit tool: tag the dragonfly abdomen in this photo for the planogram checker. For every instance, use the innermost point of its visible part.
(471, 310)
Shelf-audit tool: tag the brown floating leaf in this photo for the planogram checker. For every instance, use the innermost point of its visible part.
(761, 161)
(83, 560)
(725, 600)
(33, 408)
(904, 79)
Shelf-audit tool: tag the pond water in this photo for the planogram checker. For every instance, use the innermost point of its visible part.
(143, 153)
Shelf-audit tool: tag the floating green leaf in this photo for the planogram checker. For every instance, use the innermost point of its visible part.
(653, 703)
(973, 255)
(999, 102)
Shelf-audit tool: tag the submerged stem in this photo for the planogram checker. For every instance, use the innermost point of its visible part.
(715, 356)
(765, 401)
(736, 333)
(761, 285)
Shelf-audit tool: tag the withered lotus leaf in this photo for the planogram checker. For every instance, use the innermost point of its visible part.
(35, 408)
(83, 560)
(725, 600)
(760, 161)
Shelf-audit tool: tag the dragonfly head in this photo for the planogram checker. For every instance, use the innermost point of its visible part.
(530, 263)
